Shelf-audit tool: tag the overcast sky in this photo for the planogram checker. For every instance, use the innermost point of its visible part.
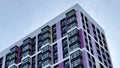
(18, 18)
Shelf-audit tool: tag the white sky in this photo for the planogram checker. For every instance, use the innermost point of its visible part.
(20, 17)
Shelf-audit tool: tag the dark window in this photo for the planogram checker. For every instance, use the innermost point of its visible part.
(109, 61)
(94, 66)
(100, 43)
(71, 19)
(1, 61)
(82, 15)
(97, 45)
(103, 35)
(86, 19)
(71, 13)
(101, 66)
(104, 56)
(85, 34)
(54, 36)
(65, 47)
(66, 64)
(33, 62)
(95, 38)
(46, 55)
(87, 47)
(92, 51)
(98, 51)
(100, 58)
(90, 63)
(102, 50)
(94, 32)
(39, 57)
(89, 37)
(39, 41)
(90, 44)
(107, 54)
(93, 59)
(55, 53)
(93, 26)
(63, 27)
(98, 31)
(45, 29)
(33, 45)
(56, 66)
(72, 25)
(86, 41)
(89, 56)
(105, 63)
(46, 35)
(106, 48)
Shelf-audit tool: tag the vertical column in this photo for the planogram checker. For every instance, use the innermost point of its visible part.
(81, 38)
(85, 59)
(59, 44)
(61, 65)
(94, 48)
(79, 22)
(3, 65)
(90, 28)
(58, 32)
(60, 51)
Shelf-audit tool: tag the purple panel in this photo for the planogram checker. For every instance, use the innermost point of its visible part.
(85, 59)
(81, 38)
(59, 44)
(58, 32)
(60, 51)
(90, 28)
(51, 54)
(78, 17)
(93, 42)
(61, 65)
(3, 63)
(94, 48)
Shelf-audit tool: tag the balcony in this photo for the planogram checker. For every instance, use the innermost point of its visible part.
(72, 33)
(26, 53)
(76, 55)
(46, 36)
(26, 48)
(46, 62)
(73, 40)
(26, 60)
(46, 49)
(40, 37)
(13, 56)
(46, 55)
(72, 25)
(34, 41)
(14, 66)
(14, 49)
(27, 41)
(45, 29)
(63, 22)
(71, 13)
(54, 28)
(74, 46)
